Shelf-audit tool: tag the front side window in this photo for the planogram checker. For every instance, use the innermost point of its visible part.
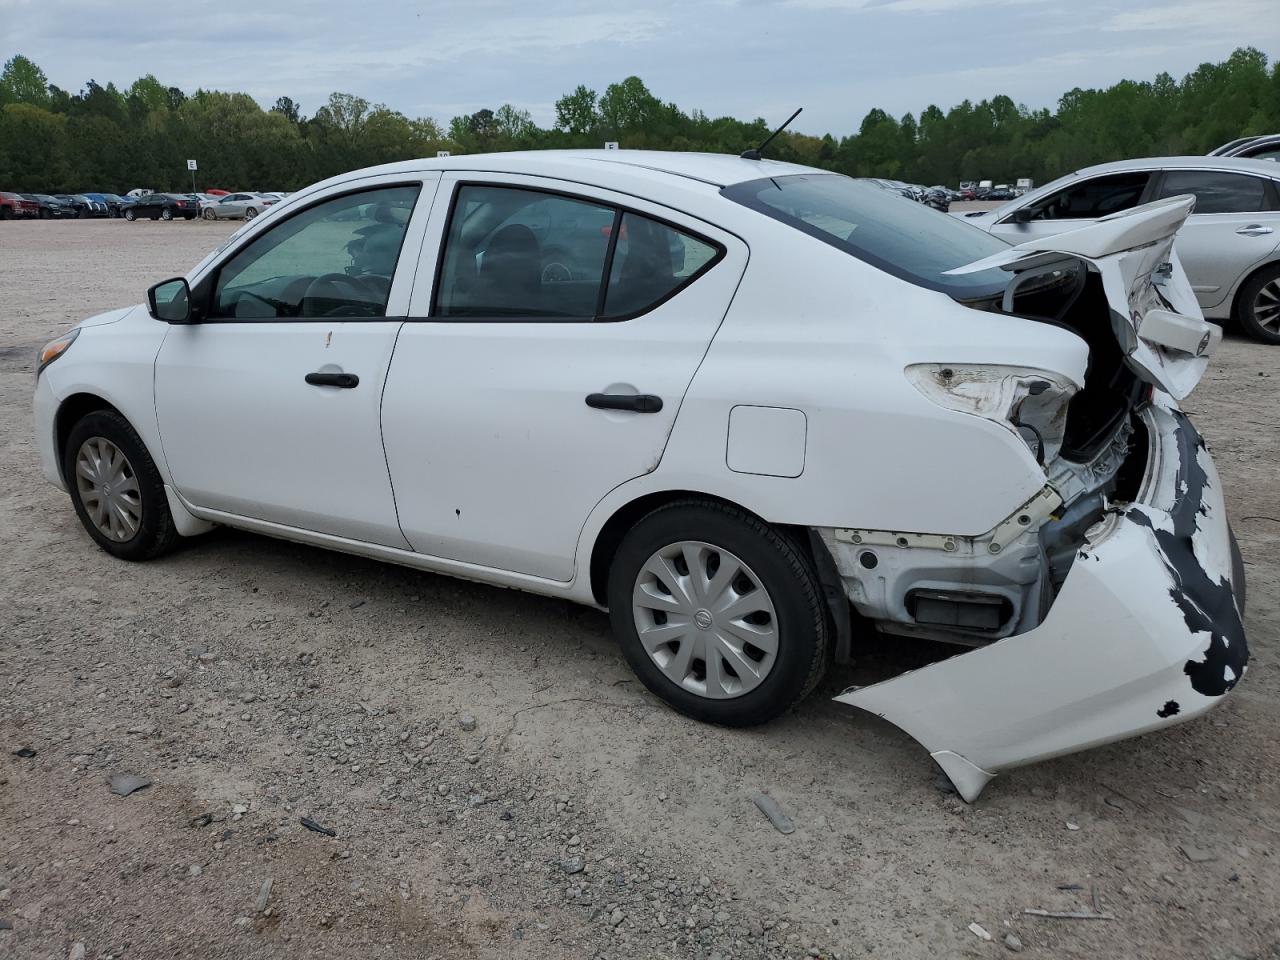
(517, 253)
(335, 259)
(899, 236)
(1217, 192)
(1093, 198)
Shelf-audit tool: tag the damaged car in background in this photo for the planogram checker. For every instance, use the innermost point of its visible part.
(770, 413)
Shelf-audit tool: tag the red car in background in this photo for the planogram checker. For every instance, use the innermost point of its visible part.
(12, 205)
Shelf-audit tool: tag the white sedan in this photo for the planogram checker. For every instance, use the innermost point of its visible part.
(236, 206)
(1230, 245)
(766, 411)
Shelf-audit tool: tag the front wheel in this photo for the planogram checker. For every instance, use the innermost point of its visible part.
(1258, 309)
(116, 489)
(718, 613)
(209, 214)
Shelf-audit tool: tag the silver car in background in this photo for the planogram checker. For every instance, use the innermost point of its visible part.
(1266, 147)
(1229, 246)
(237, 206)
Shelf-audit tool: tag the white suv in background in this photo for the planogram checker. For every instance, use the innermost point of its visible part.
(757, 412)
(1229, 246)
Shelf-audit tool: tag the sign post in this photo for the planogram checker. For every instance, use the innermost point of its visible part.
(191, 165)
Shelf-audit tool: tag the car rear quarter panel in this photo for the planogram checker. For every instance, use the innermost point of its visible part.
(815, 330)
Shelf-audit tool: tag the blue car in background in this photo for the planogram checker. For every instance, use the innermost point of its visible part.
(115, 204)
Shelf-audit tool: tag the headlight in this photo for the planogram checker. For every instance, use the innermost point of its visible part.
(52, 350)
(1031, 403)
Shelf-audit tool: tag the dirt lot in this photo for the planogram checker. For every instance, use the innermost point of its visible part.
(256, 682)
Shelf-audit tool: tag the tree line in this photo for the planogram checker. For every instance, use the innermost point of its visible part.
(107, 138)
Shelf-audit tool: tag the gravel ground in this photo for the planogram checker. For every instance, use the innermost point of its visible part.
(498, 783)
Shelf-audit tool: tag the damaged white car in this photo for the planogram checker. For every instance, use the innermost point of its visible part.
(757, 411)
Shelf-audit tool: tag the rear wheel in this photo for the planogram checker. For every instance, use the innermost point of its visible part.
(130, 215)
(6, 213)
(718, 613)
(1258, 309)
(250, 213)
(116, 489)
(166, 214)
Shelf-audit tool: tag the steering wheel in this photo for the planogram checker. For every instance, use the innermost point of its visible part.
(338, 287)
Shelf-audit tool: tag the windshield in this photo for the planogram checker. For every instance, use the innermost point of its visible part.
(897, 235)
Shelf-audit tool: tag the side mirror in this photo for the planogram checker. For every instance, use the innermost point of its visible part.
(170, 301)
(1021, 215)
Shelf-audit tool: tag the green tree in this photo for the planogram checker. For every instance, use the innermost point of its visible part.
(22, 81)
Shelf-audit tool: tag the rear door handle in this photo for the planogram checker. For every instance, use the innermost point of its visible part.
(636, 402)
(344, 380)
(1254, 230)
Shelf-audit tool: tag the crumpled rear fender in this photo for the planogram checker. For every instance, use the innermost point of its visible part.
(1144, 633)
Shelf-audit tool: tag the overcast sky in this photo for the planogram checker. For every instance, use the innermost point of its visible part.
(745, 58)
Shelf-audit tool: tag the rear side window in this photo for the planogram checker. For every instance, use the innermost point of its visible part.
(1218, 192)
(897, 235)
(651, 261)
(1093, 198)
(513, 253)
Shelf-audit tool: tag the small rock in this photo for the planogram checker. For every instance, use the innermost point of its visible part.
(195, 870)
(264, 894)
(771, 809)
(979, 931)
(1072, 826)
(77, 951)
(5, 925)
(124, 784)
(1013, 943)
(572, 865)
(575, 840)
(239, 808)
(467, 722)
(1196, 854)
(26, 753)
(617, 916)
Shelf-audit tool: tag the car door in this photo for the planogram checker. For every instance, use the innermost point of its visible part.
(546, 363)
(1074, 206)
(268, 408)
(1235, 225)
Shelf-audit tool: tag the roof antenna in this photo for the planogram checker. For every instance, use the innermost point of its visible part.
(758, 152)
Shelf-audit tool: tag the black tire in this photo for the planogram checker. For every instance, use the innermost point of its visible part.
(130, 215)
(6, 213)
(156, 533)
(45, 214)
(1246, 304)
(166, 214)
(784, 570)
(208, 214)
(250, 213)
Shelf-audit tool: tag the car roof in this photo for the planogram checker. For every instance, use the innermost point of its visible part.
(717, 169)
(1267, 168)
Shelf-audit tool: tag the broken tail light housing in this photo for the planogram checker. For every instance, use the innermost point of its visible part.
(1031, 403)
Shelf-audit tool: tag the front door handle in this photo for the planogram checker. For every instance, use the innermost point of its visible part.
(1254, 230)
(636, 402)
(344, 380)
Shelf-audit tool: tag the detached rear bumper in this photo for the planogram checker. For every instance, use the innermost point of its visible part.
(1145, 633)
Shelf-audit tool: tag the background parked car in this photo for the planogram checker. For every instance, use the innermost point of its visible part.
(84, 205)
(163, 206)
(115, 204)
(238, 205)
(1253, 148)
(51, 207)
(14, 205)
(938, 197)
(1229, 246)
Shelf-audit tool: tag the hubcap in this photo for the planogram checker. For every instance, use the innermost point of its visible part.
(1266, 306)
(705, 619)
(108, 489)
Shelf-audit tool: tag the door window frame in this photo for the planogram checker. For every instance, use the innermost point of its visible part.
(427, 181)
(619, 210)
(1147, 195)
(1271, 191)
